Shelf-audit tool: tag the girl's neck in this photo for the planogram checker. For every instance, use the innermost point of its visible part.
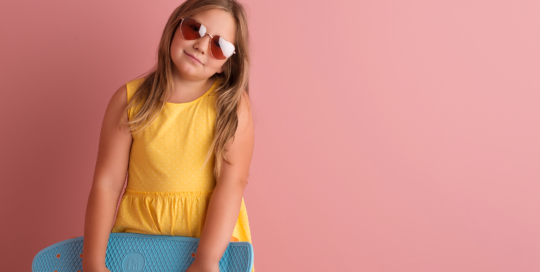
(187, 90)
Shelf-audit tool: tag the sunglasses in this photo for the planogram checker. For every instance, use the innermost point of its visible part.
(219, 47)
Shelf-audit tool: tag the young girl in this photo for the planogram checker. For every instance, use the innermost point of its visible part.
(185, 139)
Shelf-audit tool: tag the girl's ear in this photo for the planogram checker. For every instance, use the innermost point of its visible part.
(220, 70)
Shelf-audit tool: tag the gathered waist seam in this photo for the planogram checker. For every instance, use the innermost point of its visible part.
(169, 194)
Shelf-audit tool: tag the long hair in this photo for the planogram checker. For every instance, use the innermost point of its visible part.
(158, 85)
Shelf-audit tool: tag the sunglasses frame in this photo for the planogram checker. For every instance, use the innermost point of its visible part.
(211, 37)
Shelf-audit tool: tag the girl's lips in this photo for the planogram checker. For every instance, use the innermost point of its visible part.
(193, 58)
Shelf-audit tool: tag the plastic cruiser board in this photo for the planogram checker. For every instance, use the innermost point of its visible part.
(133, 252)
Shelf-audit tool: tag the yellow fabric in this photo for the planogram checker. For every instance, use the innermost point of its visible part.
(168, 190)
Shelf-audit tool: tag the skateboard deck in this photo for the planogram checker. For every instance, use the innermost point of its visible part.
(133, 252)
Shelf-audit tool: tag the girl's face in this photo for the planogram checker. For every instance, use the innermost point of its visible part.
(217, 22)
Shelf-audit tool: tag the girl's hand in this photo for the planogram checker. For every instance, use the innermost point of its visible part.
(98, 269)
(199, 266)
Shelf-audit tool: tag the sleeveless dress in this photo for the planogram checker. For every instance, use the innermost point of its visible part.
(168, 190)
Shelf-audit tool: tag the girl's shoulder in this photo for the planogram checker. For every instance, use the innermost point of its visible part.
(133, 85)
(137, 80)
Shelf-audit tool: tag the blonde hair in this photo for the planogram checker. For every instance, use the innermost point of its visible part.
(157, 86)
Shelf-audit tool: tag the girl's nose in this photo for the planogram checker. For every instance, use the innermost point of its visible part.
(203, 44)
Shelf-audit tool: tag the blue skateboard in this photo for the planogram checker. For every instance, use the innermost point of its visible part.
(133, 252)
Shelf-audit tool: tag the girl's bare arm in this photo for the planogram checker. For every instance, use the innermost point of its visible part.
(109, 176)
(225, 203)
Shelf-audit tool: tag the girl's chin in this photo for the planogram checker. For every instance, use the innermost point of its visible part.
(188, 68)
(189, 71)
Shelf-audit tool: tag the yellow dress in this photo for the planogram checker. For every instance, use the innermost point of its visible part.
(168, 191)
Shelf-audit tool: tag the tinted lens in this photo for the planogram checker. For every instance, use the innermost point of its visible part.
(221, 49)
(191, 29)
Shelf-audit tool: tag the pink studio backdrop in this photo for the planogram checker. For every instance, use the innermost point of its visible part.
(390, 135)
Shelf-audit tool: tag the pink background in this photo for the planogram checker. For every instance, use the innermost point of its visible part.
(390, 135)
